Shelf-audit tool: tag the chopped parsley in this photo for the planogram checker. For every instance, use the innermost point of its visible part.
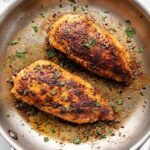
(97, 104)
(12, 43)
(74, 8)
(51, 54)
(46, 139)
(62, 83)
(60, 5)
(77, 140)
(100, 134)
(141, 50)
(25, 92)
(53, 130)
(103, 18)
(82, 8)
(128, 22)
(86, 6)
(119, 102)
(42, 15)
(35, 28)
(130, 32)
(54, 92)
(72, 1)
(69, 50)
(92, 41)
(7, 115)
(106, 11)
(20, 54)
(110, 132)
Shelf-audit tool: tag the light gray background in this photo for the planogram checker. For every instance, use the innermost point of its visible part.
(3, 5)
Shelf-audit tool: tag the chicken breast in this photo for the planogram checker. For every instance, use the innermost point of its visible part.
(83, 41)
(53, 90)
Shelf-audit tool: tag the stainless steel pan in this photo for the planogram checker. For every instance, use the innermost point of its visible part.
(137, 125)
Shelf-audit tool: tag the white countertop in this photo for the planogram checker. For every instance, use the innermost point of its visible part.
(3, 5)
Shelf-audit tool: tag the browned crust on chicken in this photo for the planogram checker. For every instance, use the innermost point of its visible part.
(94, 48)
(56, 91)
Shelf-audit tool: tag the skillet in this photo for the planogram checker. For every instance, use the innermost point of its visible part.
(18, 17)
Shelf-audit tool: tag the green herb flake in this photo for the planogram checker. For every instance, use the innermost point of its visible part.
(77, 140)
(11, 58)
(7, 115)
(100, 134)
(35, 28)
(12, 43)
(110, 132)
(62, 83)
(86, 6)
(67, 108)
(54, 92)
(85, 45)
(128, 22)
(74, 8)
(141, 50)
(82, 8)
(130, 32)
(92, 41)
(20, 54)
(51, 54)
(69, 50)
(25, 92)
(97, 104)
(60, 5)
(42, 15)
(104, 18)
(119, 102)
(46, 139)
(72, 1)
(53, 130)
(106, 11)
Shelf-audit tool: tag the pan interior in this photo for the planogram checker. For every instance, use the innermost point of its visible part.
(24, 34)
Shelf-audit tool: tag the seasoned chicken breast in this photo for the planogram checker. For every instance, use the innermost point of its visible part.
(83, 41)
(53, 90)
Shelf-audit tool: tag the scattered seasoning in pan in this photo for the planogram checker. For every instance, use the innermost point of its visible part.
(119, 102)
(92, 41)
(20, 54)
(128, 22)
(54, 92)
(97, 104)
(35, 28)
(77, 140)
(46, 139)
(141, 50)
(100, 134)
(74, 8)
(11, 58)
(130, 32)
(51, 54)
(25, 92)
(86, 6)
(53, 130)
(60, 6)
(106, 11)
(12, 43)
(104, 18)
(72, 1)
(7, 115)
(62, 83)
(42, 15)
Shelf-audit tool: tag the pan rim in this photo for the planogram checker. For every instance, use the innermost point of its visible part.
(6, 12)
